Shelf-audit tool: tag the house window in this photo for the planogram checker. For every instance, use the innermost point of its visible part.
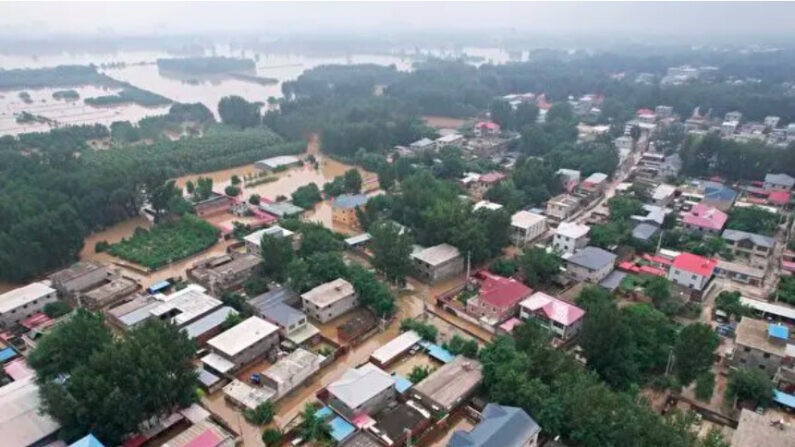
(762, 367)
(747, 349)
(766, 355)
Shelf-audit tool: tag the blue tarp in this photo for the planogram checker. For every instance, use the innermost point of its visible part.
(324, 412)
(438, 352)
(157, 287)
(401, 383)
(340, 429)
(7, 353)
(778, 331)
(87, 441)
(788, 400)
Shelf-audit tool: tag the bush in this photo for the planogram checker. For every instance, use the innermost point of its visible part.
(101, 246)
(427, 331)
(418, 373)
(254, 199)
(460, 345)
(271, 436)
(235, 180)
(232, 191)
(749, 384)
(705, 386)
(504, 267)
(261, 415)
(57, 309)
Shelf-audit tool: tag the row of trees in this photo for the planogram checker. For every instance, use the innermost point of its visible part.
(713, 155)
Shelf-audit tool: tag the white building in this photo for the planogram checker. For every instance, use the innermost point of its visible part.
(591, 264)
(243, 343)
(21, 423)
(560, 317)
(330, 300)
(569, 237)
(491, 206)
(692, 271)
(366, 389)
(438, 262)
(186, 306)
(663, 194)
(291, 371)
(562, 206)
(272, 163)
(19, 304)
(526, 226)
(779, 182)
(254, 240)
(449, 140)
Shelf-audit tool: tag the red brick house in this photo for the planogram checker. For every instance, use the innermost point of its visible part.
(498, 298)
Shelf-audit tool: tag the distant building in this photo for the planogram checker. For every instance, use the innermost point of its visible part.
(760, 345)
(526, 227)
(498, 298)
(486, 128)
(562, 206)
(108, 294)
(425, 144)
(705, 219)
(281, 209)
(449, 386)
(771, 122)
(19, 304)
(570, 237)
(779, 182)
(485, 204)
(692, 271)
(202, 434)
(214, 205)
(449, 140)
(654, 215)
(499, 426)
(590, 264)
(330, 300)
(733, 116)
(740, 272)
(560, 317)
(254, 239)
(366, 389)
(570, 178)
(437, 263)
(209, 325)
(281, 161)
(393, 349)
(344, 208)
(185, 306)
(749, 245)
(664, 112)
(81, 277)
(594, 184)
(241, 344)
(644, 232)
(224, 273)
(663, 195)
(291, 371)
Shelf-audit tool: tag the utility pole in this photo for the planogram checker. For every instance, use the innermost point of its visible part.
(469, 264)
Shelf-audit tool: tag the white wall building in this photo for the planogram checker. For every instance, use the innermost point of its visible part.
(569, 237)
(244, 342)
(19, 304)
(330, 300)
(526, 226)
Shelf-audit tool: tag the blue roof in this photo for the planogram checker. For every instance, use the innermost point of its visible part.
(438, 352)
(500, 427)
(324, 412)
(401, 383)
(778, 331)
(350, 200)
(340, 429)
(785, 399)
(154, 288)
(7, 353)
(717, 192)
(87, 441)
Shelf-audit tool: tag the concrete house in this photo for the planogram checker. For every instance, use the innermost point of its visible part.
(81, 277)
(436, 263)
(562, 206)
(108, 294)
(692, 271)
(779, 182)
(254, 239)
(499, 426)
(291, 371)
(224, 273)
(344, 208)
(330, 300)
(21, 303)
(449, 386)
(560, 317)
(759, 344)
(498, 298)
(241, 344)
(526, 227)
(749, 245)
(366, 389)
(663, 195)
(591, 264)
(595, 184)
(570, 237)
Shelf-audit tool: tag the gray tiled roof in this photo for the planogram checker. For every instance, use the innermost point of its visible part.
(780, 179)
(500, 427)
(757, 239)
(592, 258)
(644, 231)
(283, 315)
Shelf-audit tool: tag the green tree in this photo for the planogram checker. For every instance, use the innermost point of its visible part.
(271, 436)
(261, 415)
(418, 373)
(634, 133)
(504, 267)
(658, 289)
(427, 331)
(353, 181)
(235, 180)
(694, 351)
(526, 113)
(313, 427)
(501, 113)
(236, 111)
(459, 345)
(204, 188)
(729, 302)
(622, 208)
(277, 253)
(234, 300)
(372, 292)
(705, 386)
(391, 251)
(753, 220)
(714, 438)
(57, 309)
(231, 320)
(317, 238)
(307, 196)
(298, 277)
(190, 187)
(452, 166)
(749, 384)
(232, 191)
(254, 199)
(538, 266)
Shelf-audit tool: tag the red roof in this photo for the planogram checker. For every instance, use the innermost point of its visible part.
(492, 177)
(645, 112)
(500, 291)
(37, 320)
(490, 125)
(788, 266)
(510, 324)
(649, 270)
(695, 264)
(553, 308)
(706, 217)
(207, 438)
(779, 197)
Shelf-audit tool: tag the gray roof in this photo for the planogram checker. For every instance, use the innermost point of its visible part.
(644, 231)
(275, 296)
(757, 239)
(282, 314)
(613, 280)
(359, 385)
(281, 209)
(592, 258)
(780, 179)
(347, 201)
(500, 427)
(209, 322)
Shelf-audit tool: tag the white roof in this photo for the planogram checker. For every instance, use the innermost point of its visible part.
(771, 308)
(247, 395)
(20, 421)
(436, 255)
(663, 191)
(572, 230)
(256, 237)
(239, 337)
(295, 364)
(191, 302)
(359, 385)
(218, 363)
(525, 219)
(329, 293)
(470, 177)
(280, 160)
(23, 295)
(488, 205)
(450, 138)
(596, 177)
(395, 347)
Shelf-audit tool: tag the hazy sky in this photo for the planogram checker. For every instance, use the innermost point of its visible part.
(697, 18)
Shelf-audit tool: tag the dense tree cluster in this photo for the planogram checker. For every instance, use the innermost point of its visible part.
(713, 155)
(206, 65)
(753, 220)
(236, 111)
(85, 376)
(129, 94)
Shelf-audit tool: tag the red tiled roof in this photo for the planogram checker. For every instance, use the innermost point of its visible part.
(645, 112)
(779, 197)
(553, 308)
(510, 324)
(706, 217)
(628, 266)
(696, 264)
(500, 291)
(649, 270)
(37, 320)
(487, 125)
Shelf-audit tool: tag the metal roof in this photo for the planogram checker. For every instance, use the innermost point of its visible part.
(500, 426)
(592, 258)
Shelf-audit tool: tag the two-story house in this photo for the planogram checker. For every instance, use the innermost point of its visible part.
(570, 237)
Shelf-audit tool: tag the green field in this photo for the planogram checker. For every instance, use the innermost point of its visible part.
(166, 243)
